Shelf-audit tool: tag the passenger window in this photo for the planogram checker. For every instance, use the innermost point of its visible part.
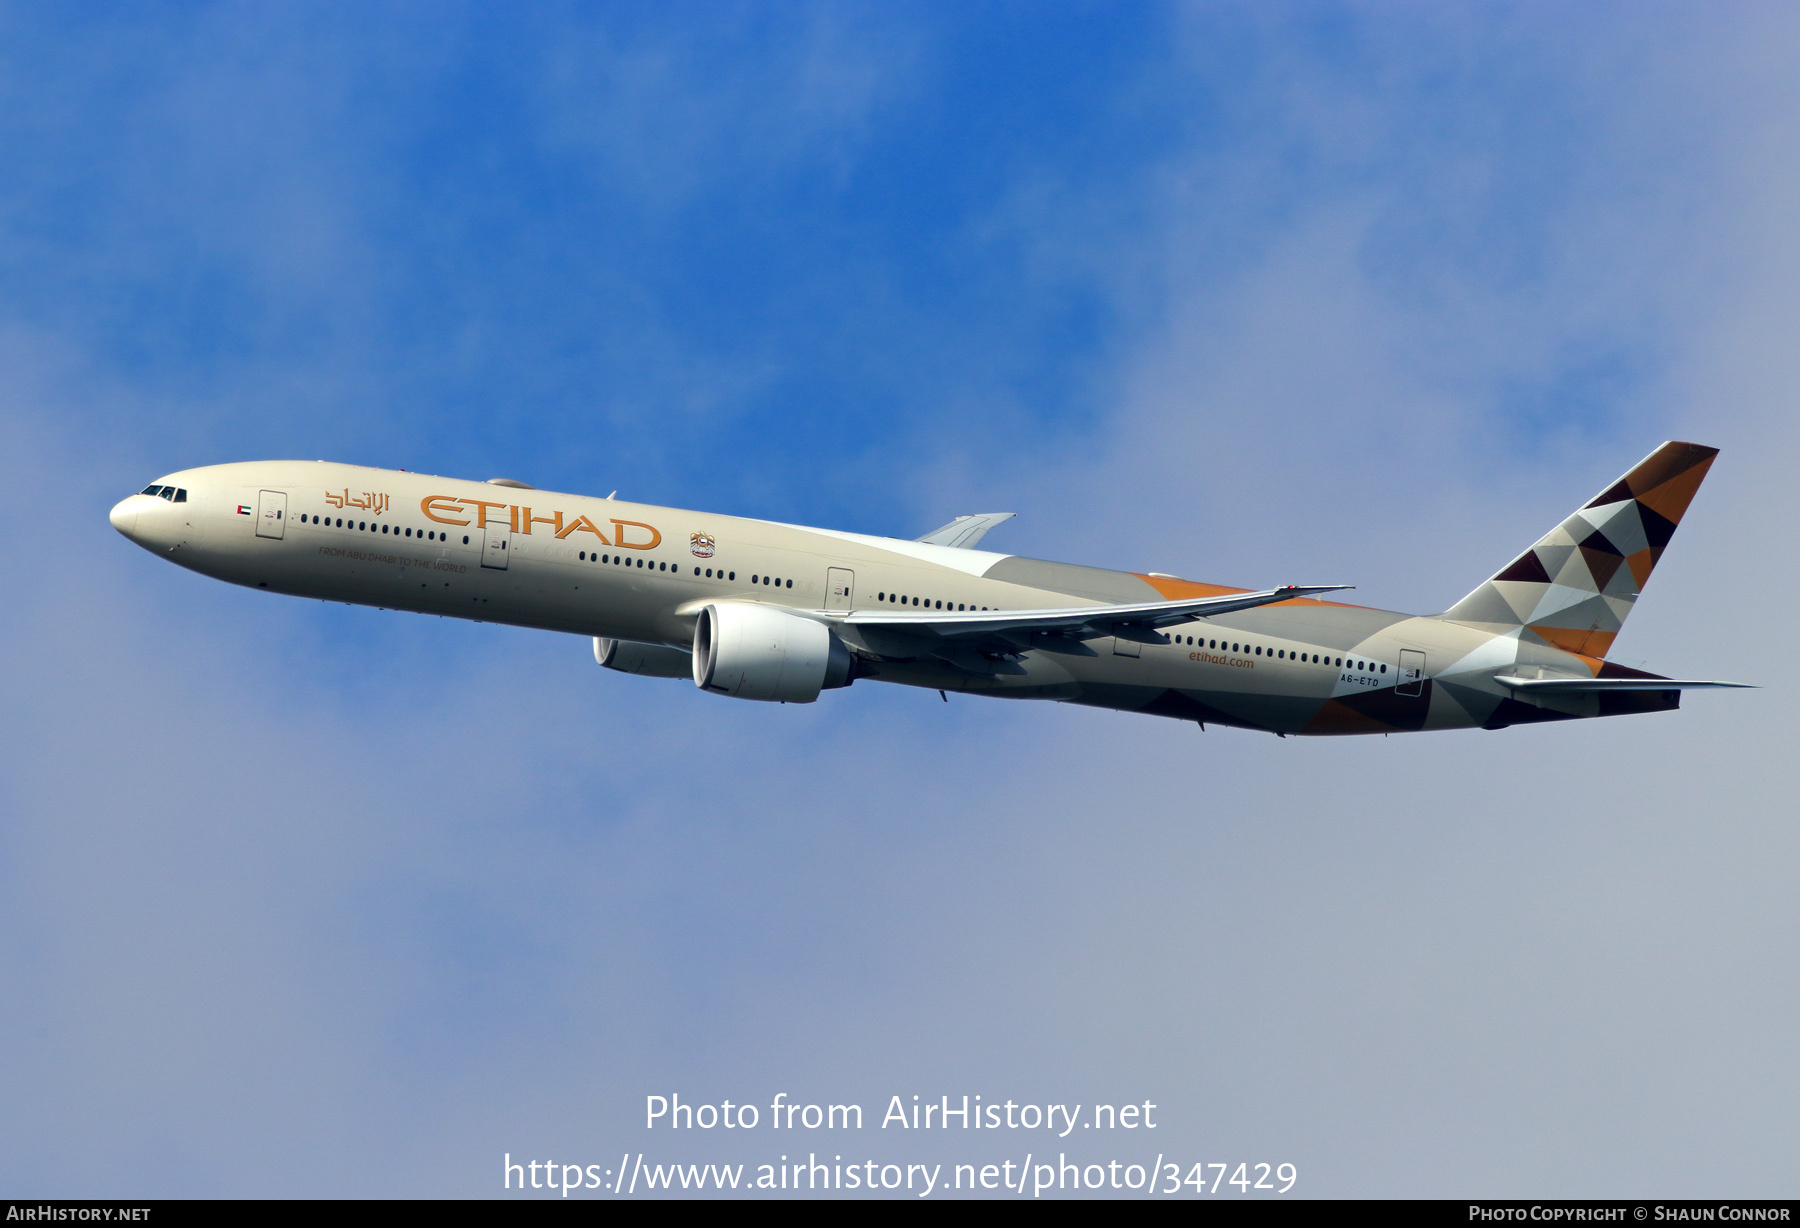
(465, 539)
(1384, 669)
(732, 576)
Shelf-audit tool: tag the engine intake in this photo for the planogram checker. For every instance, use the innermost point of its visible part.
(760, 652)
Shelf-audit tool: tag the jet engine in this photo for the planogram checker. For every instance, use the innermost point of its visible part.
(760, 652)
(651, 660)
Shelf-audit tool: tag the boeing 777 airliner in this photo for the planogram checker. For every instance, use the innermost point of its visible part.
(758, 610)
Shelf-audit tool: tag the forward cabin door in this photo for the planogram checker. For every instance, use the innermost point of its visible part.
(840, 588)
(271, 514)
(1412, 673)
(496, 540)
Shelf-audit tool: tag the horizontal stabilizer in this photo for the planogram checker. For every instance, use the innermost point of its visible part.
(1585, 685)
(965, 532)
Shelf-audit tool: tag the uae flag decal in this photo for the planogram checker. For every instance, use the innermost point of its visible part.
(244, 509)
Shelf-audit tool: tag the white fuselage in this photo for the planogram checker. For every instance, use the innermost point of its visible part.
(635, 572)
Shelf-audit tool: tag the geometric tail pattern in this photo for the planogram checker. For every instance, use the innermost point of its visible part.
(1573, 589)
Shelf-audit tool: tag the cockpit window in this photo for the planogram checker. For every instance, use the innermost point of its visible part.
(152, 490)
(181, 495)
(168, 492)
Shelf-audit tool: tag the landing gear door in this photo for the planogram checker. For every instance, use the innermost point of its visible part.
(840, 588)
(1412, 673)
(271, 514)
(495, 540)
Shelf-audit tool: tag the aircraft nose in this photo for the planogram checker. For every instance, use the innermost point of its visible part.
(124, 517)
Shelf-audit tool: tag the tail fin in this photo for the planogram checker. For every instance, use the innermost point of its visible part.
(1574, 588)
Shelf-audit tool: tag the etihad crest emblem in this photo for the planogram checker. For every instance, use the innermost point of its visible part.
(702, 545)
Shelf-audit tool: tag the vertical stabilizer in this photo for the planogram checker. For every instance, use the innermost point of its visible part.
(1574, 588)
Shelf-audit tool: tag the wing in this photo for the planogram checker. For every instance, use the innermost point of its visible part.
(965, 531)
(1009, 631)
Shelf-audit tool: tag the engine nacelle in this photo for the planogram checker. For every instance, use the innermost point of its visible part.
(651, 660)
(760, 652)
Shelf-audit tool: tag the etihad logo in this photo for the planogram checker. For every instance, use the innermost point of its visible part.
(702, 545)
(446, 509)
(371, 501)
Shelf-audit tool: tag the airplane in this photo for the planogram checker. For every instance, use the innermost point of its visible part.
(759, 610)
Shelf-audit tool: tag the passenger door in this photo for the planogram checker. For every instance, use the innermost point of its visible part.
(271, 514)
(494, 542)
(840, 588)
(1412, 673)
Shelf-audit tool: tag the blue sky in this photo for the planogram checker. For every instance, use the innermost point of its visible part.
(302, 899)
